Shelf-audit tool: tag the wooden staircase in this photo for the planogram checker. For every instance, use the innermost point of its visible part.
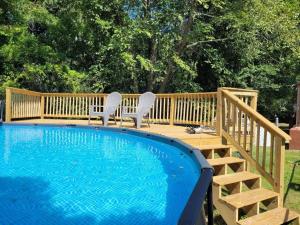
(238, 195)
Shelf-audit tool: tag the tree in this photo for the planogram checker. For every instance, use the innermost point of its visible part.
(149, 45)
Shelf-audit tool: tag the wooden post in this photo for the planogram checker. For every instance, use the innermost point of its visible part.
(219, 121)
(253, 105)
(253, 102)
(279, 167)
(298, 107)
(42, 107)
(172, 110)
(8, 105)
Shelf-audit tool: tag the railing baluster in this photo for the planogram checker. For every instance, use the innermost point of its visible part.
(239, 125)
(57, 105)
(209, 110)
(205, 112)
(245, 132)
(76, 106)
(251, 133)
(156, 109)
(213, 111)
(189, 112)
(201, 110)
(60, 106)
(264, 149)
(184, 108)
(271, 155)
(234, 122)
(257, 142)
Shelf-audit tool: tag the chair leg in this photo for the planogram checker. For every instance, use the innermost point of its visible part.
(148, 120)
(138, 122)
(105, 121)
(89, 123)
(121, 121)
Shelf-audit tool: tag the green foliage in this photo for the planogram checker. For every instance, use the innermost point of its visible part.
(160, 46)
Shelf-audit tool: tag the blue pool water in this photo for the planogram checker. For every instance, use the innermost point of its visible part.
(63, 176)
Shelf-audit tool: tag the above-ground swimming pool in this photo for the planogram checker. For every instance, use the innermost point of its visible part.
(66, 175)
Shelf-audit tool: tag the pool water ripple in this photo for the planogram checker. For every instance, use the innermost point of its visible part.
(65, 176)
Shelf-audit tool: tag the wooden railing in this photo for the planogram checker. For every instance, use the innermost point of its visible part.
(22, 104)
(258, 140)
(62, 105)
(185, 108)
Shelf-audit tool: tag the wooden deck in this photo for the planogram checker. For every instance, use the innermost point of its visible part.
(232, 112)
(197, 140)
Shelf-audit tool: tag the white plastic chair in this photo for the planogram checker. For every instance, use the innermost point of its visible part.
(146, 101)
(113, 101)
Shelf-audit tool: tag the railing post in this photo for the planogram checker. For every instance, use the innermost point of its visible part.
(279, 167)
(219, 121)
(8, 105)
(253, 105)
(253, 102)
(172, 110)
(42, 106)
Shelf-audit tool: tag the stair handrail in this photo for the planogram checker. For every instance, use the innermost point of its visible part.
(257, 115)
(241, 125)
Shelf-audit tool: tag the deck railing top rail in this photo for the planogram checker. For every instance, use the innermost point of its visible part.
(23, 92)
(126, 94)
(241, 92)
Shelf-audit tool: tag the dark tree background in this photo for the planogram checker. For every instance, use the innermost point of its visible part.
(155, 45)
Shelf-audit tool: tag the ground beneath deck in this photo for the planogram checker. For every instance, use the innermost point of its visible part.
(173, 131)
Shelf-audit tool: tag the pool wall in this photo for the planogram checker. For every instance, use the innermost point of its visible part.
(203, 189)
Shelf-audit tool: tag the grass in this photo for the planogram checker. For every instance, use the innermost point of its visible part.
(291, 183)
(291, 179)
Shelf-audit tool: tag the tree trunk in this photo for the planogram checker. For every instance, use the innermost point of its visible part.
(153, 57)
(179, 47)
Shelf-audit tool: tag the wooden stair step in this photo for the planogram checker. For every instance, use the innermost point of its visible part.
(234, 178)
(224, 161)
(215, 151)
(249, 197)
(209, 147)
(199, 141)
(275, 217)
